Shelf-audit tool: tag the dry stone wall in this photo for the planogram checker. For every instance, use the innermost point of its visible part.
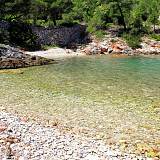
(4, 25)
(62, 36)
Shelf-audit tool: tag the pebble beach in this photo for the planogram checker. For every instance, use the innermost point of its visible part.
(23, 140)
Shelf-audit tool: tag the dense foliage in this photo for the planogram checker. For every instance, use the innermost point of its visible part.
(129, 13)
(135, 16)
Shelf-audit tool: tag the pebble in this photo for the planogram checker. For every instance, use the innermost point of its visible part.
(3, 126)
(31, 141)
(91, 157)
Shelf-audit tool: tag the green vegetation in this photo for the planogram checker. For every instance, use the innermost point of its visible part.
(22, 35)
(136, 16)
(46, 47)
(132, 40)
(155, 36)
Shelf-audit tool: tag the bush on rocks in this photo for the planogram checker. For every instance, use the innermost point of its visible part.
(133, 41)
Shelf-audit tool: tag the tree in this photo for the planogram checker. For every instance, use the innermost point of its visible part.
(55, 9)
(121, 10)
(154, 10)
(84, 9)
(136, 14)
(15, 9)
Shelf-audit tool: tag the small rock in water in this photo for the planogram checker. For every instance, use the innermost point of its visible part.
(21, 158)
(92, 157)
(3, 126)
(24, 119)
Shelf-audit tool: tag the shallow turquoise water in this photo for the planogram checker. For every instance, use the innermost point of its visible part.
(106, 94)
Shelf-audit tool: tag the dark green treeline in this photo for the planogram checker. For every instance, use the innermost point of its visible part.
(95, 13)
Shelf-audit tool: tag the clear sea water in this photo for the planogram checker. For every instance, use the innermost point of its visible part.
(108, 97)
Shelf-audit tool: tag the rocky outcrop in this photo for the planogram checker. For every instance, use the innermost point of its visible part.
(14, 58)
(115, 45)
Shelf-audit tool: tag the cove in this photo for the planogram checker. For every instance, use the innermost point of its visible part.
(108, 97)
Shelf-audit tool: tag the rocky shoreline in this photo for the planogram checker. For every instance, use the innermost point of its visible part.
(116, 45)
(110, 45)
(11, 58)
(23, 140)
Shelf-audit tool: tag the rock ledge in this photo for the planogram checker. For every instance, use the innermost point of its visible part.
(11, 57)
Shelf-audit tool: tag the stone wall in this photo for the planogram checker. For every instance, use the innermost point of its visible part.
(4, 25)
(62, 36)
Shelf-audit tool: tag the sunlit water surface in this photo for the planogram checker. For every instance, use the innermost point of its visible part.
(111, 98)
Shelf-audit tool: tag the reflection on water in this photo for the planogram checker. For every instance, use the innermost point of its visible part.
(107, 94)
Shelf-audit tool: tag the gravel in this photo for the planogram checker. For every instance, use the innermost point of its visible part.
(23, 140)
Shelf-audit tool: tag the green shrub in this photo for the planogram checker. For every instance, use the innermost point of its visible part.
(132, 40)
(21, 35)
(46, 47)
(113, 40)
(99, 34)
(155, 36)
(67, 20)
